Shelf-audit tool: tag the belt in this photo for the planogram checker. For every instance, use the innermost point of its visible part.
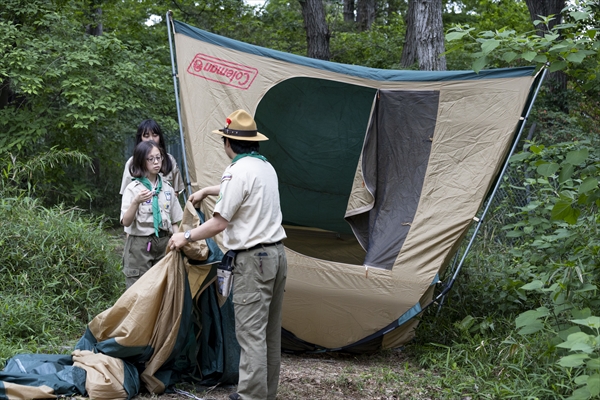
(258, 246)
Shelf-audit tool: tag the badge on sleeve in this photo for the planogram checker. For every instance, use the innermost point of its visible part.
(226, 177)
(168, 195)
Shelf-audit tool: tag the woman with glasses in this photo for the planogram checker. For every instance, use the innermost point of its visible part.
(150, 130)
(150, 212)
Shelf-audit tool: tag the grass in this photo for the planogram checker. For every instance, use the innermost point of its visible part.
(59, 269)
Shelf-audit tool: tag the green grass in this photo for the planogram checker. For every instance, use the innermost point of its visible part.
(59, 269)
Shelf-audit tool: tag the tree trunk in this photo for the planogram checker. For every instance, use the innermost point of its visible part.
(425, 32)
(409, 50)
(317, 31)
(4, 93)
(95, 27)
(545, 8)
(558, 79)
(348, 11)
(365, 14)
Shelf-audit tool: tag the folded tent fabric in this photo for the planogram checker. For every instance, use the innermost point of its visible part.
(149, 335)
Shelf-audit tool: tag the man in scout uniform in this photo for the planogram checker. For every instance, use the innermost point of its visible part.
(249, 215)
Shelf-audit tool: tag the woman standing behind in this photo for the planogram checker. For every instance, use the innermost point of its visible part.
(150, 130)
(150, 212)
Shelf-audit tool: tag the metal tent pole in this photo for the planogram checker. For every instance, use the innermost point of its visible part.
(441, 297)
(176, 86)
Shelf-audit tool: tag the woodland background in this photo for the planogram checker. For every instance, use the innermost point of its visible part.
(77, 76)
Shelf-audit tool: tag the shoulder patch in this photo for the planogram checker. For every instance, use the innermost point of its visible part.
(226, 177)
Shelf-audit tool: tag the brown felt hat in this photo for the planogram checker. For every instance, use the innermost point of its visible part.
(241, 126)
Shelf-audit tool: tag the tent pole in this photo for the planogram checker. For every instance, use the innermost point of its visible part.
(176, 86)
(442, 296)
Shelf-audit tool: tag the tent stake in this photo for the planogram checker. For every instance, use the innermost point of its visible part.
(176, 86)
(442, 296)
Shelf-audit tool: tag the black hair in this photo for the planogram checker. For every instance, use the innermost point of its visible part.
(242, 146)
(137, 169)
(151, 126)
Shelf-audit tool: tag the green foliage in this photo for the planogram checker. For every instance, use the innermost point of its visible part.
(59, 269)
(522, 319)
(280, 26)
(572, 47)
(379, 47)
(27, 177)
(558, 239)
(65, 89)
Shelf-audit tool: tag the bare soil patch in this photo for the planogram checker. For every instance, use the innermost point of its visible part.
(387, 375)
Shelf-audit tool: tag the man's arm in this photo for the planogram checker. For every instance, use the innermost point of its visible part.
(198, 196)
(210, 228)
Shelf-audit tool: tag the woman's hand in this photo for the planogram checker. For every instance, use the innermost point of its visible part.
(143, 196)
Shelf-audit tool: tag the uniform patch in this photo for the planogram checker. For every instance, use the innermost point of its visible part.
(226, 177)
(149, 201)
(168, 195)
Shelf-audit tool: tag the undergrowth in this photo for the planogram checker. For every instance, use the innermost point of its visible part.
(523, 319)
(59, 269)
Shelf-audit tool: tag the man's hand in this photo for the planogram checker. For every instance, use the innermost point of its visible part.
(177, 241)
(210, 228)
(197, 197)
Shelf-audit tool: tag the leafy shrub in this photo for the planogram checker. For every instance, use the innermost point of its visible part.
(59, 269)
(522, 320)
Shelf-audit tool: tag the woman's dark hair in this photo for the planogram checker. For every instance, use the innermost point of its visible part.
(137, 169)
(151, 126)
(242, 146)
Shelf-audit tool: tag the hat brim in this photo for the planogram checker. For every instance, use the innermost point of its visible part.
(258, 138)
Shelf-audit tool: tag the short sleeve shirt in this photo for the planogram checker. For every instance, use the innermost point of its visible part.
(143, 223)
(249, 201)
(173, 177)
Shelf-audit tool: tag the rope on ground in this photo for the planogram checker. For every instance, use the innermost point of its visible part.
(188, 394)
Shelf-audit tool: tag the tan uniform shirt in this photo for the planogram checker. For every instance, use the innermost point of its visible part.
(173, 177)
(143, 224)
(249, 200)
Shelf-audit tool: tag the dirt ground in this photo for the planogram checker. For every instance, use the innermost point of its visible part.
(389, 375)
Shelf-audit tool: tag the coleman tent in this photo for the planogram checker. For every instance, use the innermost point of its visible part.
(381, 173)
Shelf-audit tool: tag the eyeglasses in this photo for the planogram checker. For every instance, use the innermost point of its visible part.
(154, 159)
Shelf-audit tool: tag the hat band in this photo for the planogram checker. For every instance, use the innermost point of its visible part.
(235, 132)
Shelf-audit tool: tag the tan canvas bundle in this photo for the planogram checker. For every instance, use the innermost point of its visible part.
(197, 250)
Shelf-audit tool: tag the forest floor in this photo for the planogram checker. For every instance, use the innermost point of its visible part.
(386, 375)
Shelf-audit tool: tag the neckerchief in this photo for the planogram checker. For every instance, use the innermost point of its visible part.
(252, 154)
(155, 207)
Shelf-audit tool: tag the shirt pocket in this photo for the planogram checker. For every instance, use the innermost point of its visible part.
(145, 213)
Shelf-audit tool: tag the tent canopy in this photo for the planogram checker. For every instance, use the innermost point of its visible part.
(381, 173)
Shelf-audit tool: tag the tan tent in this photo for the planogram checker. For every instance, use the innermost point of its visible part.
(381, 173)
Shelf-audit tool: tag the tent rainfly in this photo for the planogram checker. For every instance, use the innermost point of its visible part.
(381, 173)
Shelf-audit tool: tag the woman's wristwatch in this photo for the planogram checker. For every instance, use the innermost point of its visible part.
(188, 236)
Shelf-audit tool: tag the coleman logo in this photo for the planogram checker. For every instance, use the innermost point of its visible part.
(221, 71)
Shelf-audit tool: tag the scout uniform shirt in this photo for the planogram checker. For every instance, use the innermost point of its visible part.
(249, 200)
(143, 224)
